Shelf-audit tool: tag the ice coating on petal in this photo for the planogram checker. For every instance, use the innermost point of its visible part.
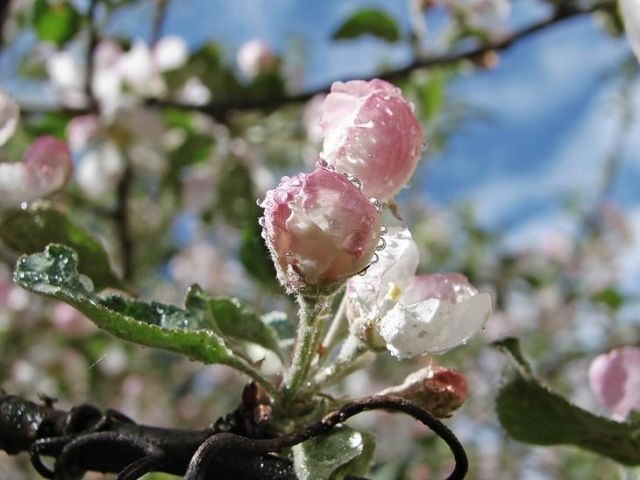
(394, 268)
(630, 10)
(452, 287)
(9, 116)
(370, 132)
(615, 380)
(433, 326)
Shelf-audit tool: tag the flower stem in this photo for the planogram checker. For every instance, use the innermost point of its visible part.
(313, 313)
(345, 363)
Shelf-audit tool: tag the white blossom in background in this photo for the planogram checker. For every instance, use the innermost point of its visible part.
(100, 165)
(630, 10)
(411, 315)
(45, 168)
(255, 57)
(9, 116)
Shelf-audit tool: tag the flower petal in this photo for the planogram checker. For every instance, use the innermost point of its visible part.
(615, 380)
(433, 326)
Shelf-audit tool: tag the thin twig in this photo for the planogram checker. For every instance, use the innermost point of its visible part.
(159, 16)
(5, 8)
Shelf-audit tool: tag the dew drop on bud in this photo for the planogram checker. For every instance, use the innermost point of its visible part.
(376, 203)
(374, 259)
(322, 164)
(259, 201)
(261, 221)
(355, 181)
(383, 230)
(382, 243)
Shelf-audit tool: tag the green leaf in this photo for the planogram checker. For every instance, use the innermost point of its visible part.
(610, 297)
(532, 413)
(255, 257)
(55, 21)
(232, 319)
(29, 230)
(369, 21)
(320, 457)
(54, 273)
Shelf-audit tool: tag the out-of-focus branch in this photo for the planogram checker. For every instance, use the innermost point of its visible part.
(220, 109)
(89, 60)
(5, 8)
(159, 16)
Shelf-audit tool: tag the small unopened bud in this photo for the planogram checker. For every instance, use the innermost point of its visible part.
(320, 230)
(438, 390)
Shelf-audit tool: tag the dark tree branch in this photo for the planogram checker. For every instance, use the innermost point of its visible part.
(159, 16)
(221, 109)
(85, 439)
(5, 8)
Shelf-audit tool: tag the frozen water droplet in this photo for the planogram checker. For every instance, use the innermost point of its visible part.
(355, 181)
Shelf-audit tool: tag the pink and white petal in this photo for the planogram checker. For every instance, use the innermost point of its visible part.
(9, 116)
(394, 268)
(453, 287)
(433, 326)
(615, 380)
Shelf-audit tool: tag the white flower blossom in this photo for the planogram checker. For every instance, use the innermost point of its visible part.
(412, 315)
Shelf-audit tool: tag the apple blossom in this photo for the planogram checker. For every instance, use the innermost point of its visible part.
(370, 131)
(615, 380)
(320, 229)
(255, 57)
(410, 315)
(45, 169)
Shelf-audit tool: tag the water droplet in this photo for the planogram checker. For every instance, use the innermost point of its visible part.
(261, 221)
(383, 230)
(355, 181)
(376, 203)
(381, 244)
(322, 163)
(260, 201)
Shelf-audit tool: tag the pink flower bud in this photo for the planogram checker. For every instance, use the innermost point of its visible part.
(320, 229)
(370, 131)
(615, 380)
(45, 169)
(438, 390)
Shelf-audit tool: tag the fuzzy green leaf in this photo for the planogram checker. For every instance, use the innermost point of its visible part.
(29, 230)
(232, 319)
(321, 457)
(368, 21)
(54, 273)
(55, 21)
(532, 413)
